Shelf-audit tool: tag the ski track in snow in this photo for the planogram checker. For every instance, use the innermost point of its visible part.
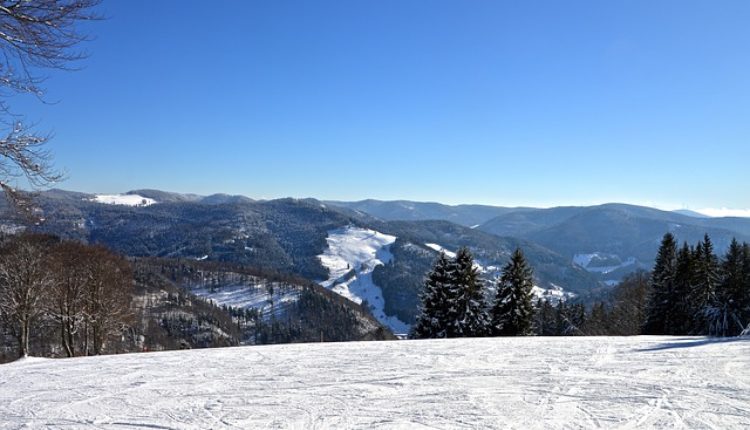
(353, 248)
(522, 383)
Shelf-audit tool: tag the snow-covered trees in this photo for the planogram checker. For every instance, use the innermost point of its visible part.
(453, 302)
(513, 314)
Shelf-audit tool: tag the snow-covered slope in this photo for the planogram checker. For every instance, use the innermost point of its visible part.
(521, 383)
(351, 256)
(123, 199)
(270, 298)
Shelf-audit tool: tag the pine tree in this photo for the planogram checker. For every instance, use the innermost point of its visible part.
(729, 306)
(546, 324)
(658, 311)
(682, 309)
(513, 314)
(435, 301)
(746, 286)
(706, 277)
(577, 319)
(467, 316)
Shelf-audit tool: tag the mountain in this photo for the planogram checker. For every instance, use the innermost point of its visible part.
(295, 237)
(613, 239)
(609, 241)
(688, 212)
(403, 210)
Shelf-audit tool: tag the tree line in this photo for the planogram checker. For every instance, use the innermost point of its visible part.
(453, 302)
(690, 291)
(695, 292)
(71, 299)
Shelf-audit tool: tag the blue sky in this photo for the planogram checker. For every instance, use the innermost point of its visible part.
(497, 102)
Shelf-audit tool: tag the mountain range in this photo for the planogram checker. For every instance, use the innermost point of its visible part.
(575, 251)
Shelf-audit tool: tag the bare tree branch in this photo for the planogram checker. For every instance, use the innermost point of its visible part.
(34, 35)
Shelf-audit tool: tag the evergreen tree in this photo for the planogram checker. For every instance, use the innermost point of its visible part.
(705, 279)
(658, 311)
(467, 317)
(435, 301)
(546, 324)
(513, 314)
(746, 285)
(562, 324)
(682, 308)
(577, 319)
(730, 305)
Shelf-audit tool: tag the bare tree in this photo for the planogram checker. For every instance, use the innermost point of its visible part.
(34, 35)
(109, 296)
(25, 281)
(72, 268)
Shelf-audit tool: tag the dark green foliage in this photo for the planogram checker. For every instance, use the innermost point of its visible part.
(730, 311)
(706, 277)
(546, 318)
(513, 314)
(436, 299)
(467, 315)
(452, 302)
(401, 279)
(682, 310)
(658, 311)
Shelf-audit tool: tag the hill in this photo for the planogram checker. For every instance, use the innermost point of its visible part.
(530, 383)
(290, 236)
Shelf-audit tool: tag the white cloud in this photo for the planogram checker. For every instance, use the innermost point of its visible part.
(722, 212)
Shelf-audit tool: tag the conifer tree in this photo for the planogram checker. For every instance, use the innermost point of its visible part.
(682, 309)
(658, 310)
(562, 321)
(546, 324)
(467, 317)
(706, 277)
(435, 301)
(512, 313)
(727, 313)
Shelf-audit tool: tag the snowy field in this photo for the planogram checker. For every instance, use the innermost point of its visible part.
(123, 199)
(351, 256)
(523, 383)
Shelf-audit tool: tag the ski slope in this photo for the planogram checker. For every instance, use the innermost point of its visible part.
(351, 256)
(123, 199)
(522, 383)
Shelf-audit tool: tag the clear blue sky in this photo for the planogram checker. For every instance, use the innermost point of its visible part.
(499, 102)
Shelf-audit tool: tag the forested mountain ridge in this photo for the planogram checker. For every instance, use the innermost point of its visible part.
(284, 235)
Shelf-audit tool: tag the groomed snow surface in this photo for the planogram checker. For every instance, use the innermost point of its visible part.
(522, 383)
(351, 256)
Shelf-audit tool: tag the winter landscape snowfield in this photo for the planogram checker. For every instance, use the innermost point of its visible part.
(523, 382)
(352, 255)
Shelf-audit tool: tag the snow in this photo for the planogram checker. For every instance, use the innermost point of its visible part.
(123, 199)
(271, 298)
(584, 260)
(724, 212)
(438, 248)
(522, 383)
(359, 250)
(555, 293)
